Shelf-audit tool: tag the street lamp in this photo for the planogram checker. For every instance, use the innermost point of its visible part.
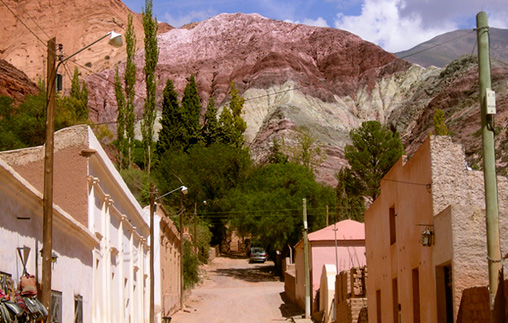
(47, 229)
(183, 189)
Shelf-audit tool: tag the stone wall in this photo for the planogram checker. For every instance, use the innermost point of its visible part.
(474, 306)
(351, 296)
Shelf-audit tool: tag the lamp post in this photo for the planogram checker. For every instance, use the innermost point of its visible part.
(183, 189)
(47, 228)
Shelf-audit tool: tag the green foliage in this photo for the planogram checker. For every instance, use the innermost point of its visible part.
(190, 111)
(231, 124)
(306, 152)
(208, 179)
(150, 27)
(349, 190)
(373, 152)
(268, 205)
(439, 123)
(169, 135)
(120, 121)
(25, 125)
(204, 236)
(190, 266)
(80, 94)
(138, 183)
(130, 91)
(277, 155)
(210, 129)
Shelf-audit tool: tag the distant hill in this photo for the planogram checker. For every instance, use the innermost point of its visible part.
(443, 49)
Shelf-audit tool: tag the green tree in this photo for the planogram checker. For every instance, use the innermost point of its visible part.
(120, 121)
(231, 124)
(80, 94)
(169, 135)
(350, 201)
(306, 152)
(210, 129)
(150, 27)
(130, 91)
(268, 206)
(277, 155)
(439, 123)
(208, 179)
(373, 152)
(191, 110)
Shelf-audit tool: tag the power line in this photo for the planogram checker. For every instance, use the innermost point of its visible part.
(23, 23)
(35, 22)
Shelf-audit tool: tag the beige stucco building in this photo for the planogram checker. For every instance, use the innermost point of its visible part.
(435, 191)
(89, 189)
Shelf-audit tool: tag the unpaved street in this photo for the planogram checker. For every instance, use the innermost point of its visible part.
(235, 291)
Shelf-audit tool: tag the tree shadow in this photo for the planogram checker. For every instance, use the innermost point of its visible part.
(289, 309)
(254, 274)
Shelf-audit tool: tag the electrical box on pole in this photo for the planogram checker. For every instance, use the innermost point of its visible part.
(490, 97)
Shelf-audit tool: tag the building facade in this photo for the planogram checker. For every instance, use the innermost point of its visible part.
(432, 195)
(89, 188)
(341, 245)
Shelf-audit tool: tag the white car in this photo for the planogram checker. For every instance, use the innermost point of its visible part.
(257, 254)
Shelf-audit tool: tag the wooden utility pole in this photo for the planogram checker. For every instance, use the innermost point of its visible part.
(306, 260)
(496, 277)
(47, 227)
(152, 271)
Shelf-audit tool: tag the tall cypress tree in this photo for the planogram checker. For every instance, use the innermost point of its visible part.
(151, 57)
(129, 81)
(170, 121)
(191, 110)
(210, 129)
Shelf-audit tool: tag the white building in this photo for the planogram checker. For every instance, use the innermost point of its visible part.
(88, 187)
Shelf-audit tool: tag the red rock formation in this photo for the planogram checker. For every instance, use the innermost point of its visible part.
(14, 83)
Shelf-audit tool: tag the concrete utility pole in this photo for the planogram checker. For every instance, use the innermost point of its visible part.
(306, 260)
(496, 279)
(47, 227)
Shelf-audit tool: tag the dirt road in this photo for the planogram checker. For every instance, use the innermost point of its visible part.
(235, 291)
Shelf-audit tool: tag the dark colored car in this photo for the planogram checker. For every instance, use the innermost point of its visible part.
(257, 254)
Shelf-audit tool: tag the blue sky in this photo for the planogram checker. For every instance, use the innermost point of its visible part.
(395, 25)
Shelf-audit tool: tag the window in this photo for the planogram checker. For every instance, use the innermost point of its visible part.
(56, 307)
(78, 309)
(393, 227)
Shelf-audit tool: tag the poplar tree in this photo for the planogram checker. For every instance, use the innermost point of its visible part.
(125, 100)
(130, 91)
(231, 124)
(120, 120)
(80, 93)
(151, 57)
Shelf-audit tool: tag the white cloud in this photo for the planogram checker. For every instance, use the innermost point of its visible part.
(319, 22)
(382, 23)
(189, 17)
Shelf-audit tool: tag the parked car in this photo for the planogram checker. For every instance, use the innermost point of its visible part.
(257, 254)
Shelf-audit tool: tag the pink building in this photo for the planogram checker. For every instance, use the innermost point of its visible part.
(348, 235)
(410, 279)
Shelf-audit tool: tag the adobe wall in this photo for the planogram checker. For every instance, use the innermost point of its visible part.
(351, 295)
(474, 306)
